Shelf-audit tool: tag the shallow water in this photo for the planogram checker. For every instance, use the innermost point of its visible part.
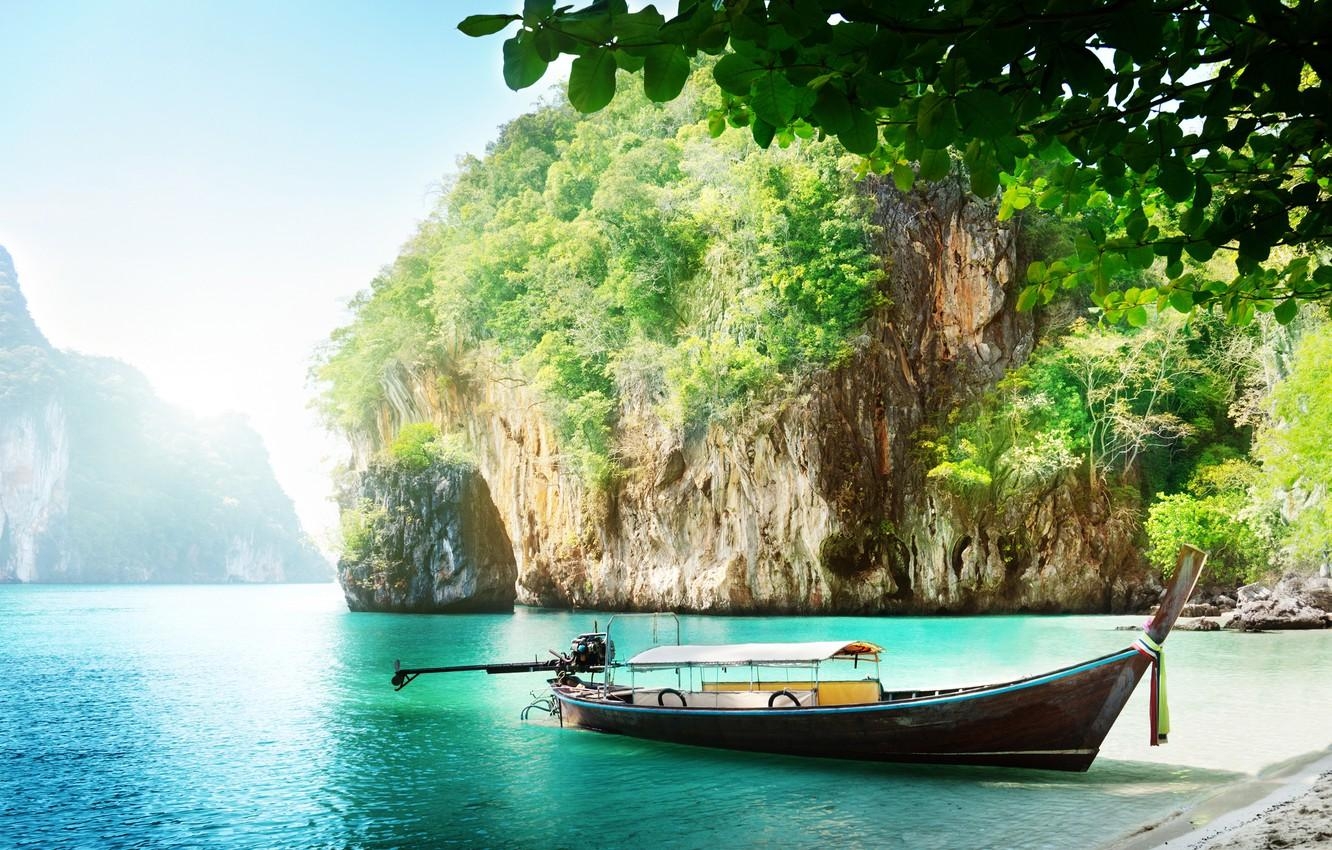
(242, 717)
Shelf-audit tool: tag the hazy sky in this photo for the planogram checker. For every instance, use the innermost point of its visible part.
(197, 188)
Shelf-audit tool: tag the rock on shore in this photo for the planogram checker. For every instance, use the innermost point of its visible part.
(1294, 602)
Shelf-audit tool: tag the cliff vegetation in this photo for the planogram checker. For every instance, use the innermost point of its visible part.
(699, 374)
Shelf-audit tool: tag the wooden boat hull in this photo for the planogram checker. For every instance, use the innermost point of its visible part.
(1055, 721)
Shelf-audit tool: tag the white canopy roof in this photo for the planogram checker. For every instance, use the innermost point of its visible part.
(741, 654)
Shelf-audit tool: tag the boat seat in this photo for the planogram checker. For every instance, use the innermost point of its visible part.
(712, 698)
(858, 692)
(849, 693)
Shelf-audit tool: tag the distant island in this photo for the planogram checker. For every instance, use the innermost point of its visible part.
(102, 481)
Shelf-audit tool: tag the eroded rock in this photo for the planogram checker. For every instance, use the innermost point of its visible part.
(429, 541)
(1297, 602)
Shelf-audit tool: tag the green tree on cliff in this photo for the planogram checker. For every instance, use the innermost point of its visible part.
(1294, 447)
(590, 255)
(1174, 129)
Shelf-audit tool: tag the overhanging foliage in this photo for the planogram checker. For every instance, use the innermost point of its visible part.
(1175, 130)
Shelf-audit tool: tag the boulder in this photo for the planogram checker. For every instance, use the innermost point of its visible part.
(1253, 593)
(1297, 602)
(1197, 624)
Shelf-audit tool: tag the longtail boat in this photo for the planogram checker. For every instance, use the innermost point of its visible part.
(781, 698)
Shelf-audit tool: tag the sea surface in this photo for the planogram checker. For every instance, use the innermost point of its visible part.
(262, 717)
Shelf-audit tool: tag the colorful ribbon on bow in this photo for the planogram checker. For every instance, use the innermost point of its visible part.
(1160, 712)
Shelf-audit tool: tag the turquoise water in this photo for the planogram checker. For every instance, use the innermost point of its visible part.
(256, 717)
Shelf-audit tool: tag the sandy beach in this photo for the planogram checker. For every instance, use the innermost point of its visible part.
(1286, 807)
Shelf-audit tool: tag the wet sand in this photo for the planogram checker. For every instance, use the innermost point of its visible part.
(1285, 807)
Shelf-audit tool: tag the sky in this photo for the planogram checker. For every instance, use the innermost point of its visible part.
(197, 188)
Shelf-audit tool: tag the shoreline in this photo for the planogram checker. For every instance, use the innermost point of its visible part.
(1248, 813)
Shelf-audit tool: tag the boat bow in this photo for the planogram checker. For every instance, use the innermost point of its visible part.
(1188, 567)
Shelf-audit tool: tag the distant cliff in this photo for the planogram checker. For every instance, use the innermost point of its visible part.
(100, 481)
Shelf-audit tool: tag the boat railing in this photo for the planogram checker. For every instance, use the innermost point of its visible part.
(611, 662)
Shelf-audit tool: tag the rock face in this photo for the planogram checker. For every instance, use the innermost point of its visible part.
(102, 482)
(1297, 602)
(34, 499)
(820, 505)
(427, 542)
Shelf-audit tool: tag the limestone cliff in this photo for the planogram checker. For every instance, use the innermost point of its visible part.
(818, 504)
(427, 541)
(100, 481)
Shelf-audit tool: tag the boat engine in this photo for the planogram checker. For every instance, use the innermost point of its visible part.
(589, 652)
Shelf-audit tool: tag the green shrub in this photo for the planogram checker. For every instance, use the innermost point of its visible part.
(420, 445)
(1236, 552)
(359, 526)
(578, 239)
(410, 449)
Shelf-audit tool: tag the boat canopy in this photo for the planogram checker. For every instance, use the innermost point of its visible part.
(744, 654)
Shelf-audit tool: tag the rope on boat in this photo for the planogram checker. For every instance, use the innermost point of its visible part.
(1160, 712)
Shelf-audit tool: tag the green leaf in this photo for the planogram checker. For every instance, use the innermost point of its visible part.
(628, 61)
(984, 113)
(591, 30)
(1037, 272)
(639, 31)
(547, 44)
(832, 110)
(1202, 195)
(1027, 299)
(984, 177)
(1181, 300)
(934, 164)
(523, 65)
(665, 72)
(536, 11)
(1084, 71)
(716, 123)
(1141, 257)
(903, 177)
(1136, 224)
(688, 25)
(592, 80)
(773, 99)
(936, 121)
(763, 132)
(1286, 310)
(1086, 248)
(479, 25)
(736, 74)
(1136, 316)
(862, 135)
(1176, 180)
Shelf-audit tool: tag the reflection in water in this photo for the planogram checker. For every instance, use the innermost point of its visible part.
(259, 717)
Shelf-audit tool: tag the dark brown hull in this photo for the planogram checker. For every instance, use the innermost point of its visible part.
(1056, 721)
